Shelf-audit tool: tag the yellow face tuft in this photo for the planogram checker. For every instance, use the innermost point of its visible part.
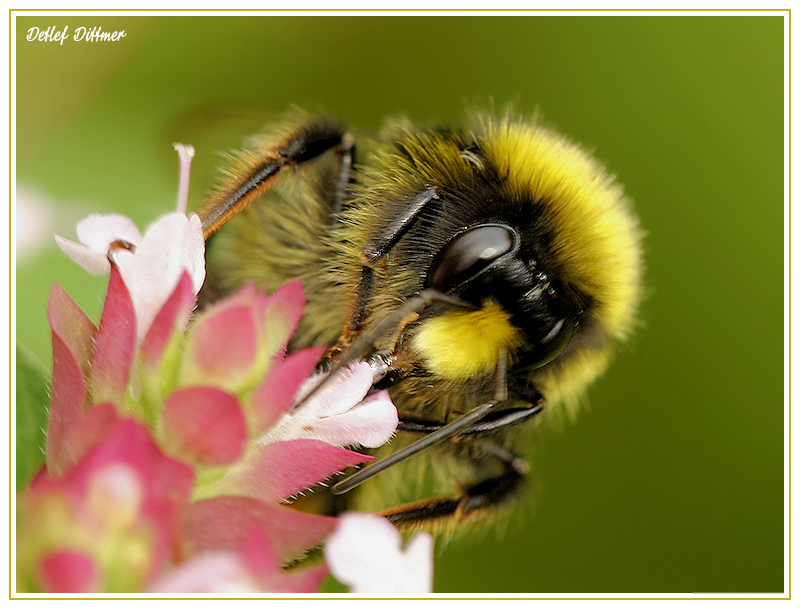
(462, 344)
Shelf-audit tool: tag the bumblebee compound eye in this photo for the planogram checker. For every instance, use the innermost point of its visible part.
(468, 254)
(552, 344)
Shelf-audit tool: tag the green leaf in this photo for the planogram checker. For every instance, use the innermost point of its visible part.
(33, 397)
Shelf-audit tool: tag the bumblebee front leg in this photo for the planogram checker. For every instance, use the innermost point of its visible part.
(260, 169)
(376, 249)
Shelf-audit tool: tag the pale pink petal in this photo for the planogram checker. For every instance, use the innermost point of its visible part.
(336, 413)
(252, 568)
(257, 553)
(92, 261)
(194, 252)
(281, 314)
(371, 423)
(70, 437)
(346, 389)
(221, 348)
(276, 394)
(174, 243)
(67, 572)
(365, 553)
(217, 572)
(274, 472)
(72, 325)
(67, 398)
(290, 532)
(98, 231)
(204, 425)
(115, 344)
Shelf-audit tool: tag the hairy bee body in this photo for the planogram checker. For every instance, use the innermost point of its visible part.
(571, 227)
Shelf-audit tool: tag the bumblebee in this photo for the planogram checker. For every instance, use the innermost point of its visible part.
(486, 273)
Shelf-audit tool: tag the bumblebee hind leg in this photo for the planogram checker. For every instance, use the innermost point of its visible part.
(256, 171)
(474, 501)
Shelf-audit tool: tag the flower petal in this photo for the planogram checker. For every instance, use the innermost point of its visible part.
(204, 425)
(218, 572)
(93, 262)
(339, 394)
(338, 414)
(71, 324)
(172, 317)
(70, 437)
(371, 423)
(65, 572)
(161, 351)
(99, 231)
(261, 560)
(274, 472)
(290, 532)
(276, 394)
(173, 243)
(73, 334)
(96, 234)
(114, 346)
(281, 314)
(252, 568)
(222, 349)
(365, 553)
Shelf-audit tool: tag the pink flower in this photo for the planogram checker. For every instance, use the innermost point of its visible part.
(107, 524)
(171, 446)
(365, 552)
(150, 265)
(252, 567)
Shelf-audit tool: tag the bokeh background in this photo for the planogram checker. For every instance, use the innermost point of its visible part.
(673, 480)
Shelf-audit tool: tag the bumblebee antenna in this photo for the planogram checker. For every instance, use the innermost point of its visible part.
(440, 435)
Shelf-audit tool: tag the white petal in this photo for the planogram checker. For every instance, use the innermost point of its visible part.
(364, 552)
(339, 414)
(98, 231)
(371, 423)
(152, 273)
(418, 561)
(339, 394)
(92, 261)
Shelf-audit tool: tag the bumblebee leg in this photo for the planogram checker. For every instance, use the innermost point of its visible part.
(346, 151)
(377, 248)
(303, 144)
(474, 500)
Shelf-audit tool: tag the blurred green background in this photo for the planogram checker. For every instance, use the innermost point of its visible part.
(673, 481)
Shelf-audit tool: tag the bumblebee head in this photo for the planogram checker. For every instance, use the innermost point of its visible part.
(490, 259)
(526, 226)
